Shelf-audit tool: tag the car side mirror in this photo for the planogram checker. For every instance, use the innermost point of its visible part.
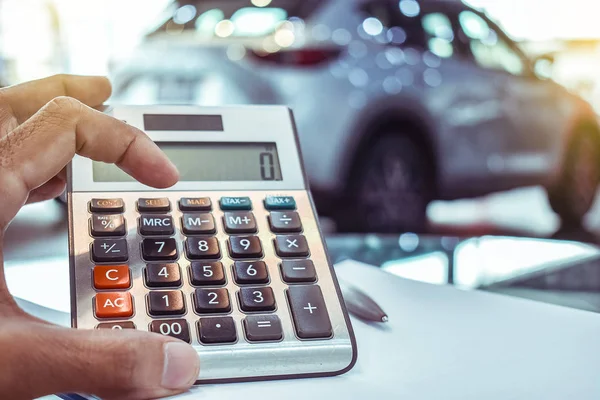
(543, 66)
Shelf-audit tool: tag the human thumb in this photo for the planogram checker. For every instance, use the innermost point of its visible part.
(39, 359)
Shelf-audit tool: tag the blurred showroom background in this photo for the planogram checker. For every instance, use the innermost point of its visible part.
(496, 152)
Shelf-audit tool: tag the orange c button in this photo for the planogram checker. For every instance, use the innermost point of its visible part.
(111, 277)
(114, 305)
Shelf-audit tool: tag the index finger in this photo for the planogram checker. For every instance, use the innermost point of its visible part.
(42, 146)
(26, 99)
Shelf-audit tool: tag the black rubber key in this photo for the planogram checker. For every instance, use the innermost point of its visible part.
(159, 249)
(309, 312)
(109, 250)
(199, 248)
(257, 299)
(285, 222)
(116, 325)
(162, 275)
(156, 224)
(260, 328)
(291, 246)
(217, 330)
(296, 271)
(163, 204)
(208, 273)
(245, 247)
(239, 222)
(207, 301)
(166, 302)
(107, 205)
(198, 223)
(250, 272)
(177, 328)
(108, 225)
(195, 204)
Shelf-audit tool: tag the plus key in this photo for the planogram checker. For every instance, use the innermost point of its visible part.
(309, 312)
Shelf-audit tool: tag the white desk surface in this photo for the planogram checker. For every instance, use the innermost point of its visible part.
(443, 343)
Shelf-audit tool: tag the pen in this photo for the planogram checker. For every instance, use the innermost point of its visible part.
(361, 305)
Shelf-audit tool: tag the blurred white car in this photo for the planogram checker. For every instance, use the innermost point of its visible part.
(397, 102)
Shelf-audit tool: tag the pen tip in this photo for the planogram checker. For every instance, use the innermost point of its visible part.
(384, 318)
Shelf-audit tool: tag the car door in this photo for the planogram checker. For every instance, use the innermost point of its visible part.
(526, 120)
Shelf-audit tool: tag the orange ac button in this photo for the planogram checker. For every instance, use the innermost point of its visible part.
(111, 277)
(114, 305)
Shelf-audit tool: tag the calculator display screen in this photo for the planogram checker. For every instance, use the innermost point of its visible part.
(201, 161)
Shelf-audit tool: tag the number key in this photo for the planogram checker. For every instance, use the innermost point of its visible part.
(177, 328)
(207, 273)
(199, 248)
(162, 275)
(166, 302)
(250, 272)
(159, 249)
(245, 247)
(257, 299)
(211, 301)
(116, 325)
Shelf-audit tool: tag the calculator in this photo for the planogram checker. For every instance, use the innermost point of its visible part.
(230, 259)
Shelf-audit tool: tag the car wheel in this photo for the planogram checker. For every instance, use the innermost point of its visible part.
(390, 187)
(576, 191)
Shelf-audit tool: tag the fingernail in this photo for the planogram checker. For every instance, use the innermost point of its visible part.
(181, 366)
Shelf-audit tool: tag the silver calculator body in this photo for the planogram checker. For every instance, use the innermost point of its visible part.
(230, 259)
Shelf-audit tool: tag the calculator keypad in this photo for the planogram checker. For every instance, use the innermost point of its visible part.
(224, 283)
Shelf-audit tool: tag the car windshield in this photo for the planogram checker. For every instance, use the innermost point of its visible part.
(234, 18)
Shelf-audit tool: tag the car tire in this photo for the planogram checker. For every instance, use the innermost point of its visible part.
(576, 190)
(389, 188)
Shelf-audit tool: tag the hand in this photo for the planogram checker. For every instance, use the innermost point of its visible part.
(42, 125)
